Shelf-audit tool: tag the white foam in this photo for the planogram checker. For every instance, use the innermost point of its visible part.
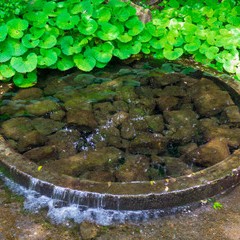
(60, 212)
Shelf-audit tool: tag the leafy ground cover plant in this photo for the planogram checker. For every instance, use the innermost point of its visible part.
(88, 33)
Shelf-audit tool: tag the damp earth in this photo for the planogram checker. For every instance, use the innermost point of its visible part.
(122, 125)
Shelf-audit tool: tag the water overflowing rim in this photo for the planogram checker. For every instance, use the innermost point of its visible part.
(161, 194)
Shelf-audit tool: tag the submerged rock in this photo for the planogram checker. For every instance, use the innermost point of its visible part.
(208, 154)
(16, 128)
(40, 108)
(82, 118)
(47, 126)
(41, 154)
(28, 94)
(148, 143)
(231, 116)
(134, 168)
(95, 159)
(167, 103)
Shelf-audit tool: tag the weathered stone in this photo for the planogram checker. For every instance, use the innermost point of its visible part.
(126, 93)
(77, 103)
(127, 130)
(96, 159)
(13, 108)
(16, 128)
(134, 169)
(145, 91)
(171, 166)
(208, 154)
(65, 142)
(57, 115)
(54, 85)
(88, 230)
(159, 79)
(120, 106)
(28, 94)
(148, 143)
(232, 135)
(182, 124)
(231, 116)
(119, 117)
(175, 91)
(167, 103)
(147, 105)
(212, 102)
(187, 148)
(40, 108)
(104, 107)
(31, 139)
(83, 118)
(47, 126)
(155, 123)
(41, 154)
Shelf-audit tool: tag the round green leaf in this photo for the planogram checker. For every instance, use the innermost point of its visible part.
(16, 27)
(144, 36)
(103, 52)
(156, 43)
(84, 7)
(87, 26)
(108, 32)
(6, 71)
(124, 38)
(103, 14)
(65, 21)
(3, 31)
(135, 26)
(172, 54)
(65, 62)
(47, 58)
(29, 41)
(47, 41)
(26, 64)
(192, 46)
(25, 81)
(36, 32)
(6, 51)
(84, 63)
(37, 18)
(212, 52)
(18, 48)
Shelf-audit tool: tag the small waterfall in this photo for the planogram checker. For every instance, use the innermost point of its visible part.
(60, 211)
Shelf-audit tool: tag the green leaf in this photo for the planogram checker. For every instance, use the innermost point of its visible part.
(108, 32)
(47, 58)
(212, 52)
(26, 64)
(18, 48)
(37, 18)
(66, 22)
(103, 14)
(4, 32)
(193, 45)
(16, 27)
(29, 41)
(85, 63)
(124, 38)
(69, 47)
(135, 26)
(6, 51)
(103, 52)
(84, 7)
(144, 36)
(36, 32)
(25, 81)
(155, 43)
(65, 62)
(172, 55)
(87, 26)
(47, 41)
(6, 71)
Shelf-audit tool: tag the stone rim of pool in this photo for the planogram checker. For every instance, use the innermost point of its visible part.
(147, 195)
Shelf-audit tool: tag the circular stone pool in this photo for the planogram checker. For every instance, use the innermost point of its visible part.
(125, 138)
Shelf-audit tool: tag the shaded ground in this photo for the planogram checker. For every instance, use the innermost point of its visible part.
(204, 223)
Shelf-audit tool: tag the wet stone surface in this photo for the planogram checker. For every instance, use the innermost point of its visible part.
(130, 124)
